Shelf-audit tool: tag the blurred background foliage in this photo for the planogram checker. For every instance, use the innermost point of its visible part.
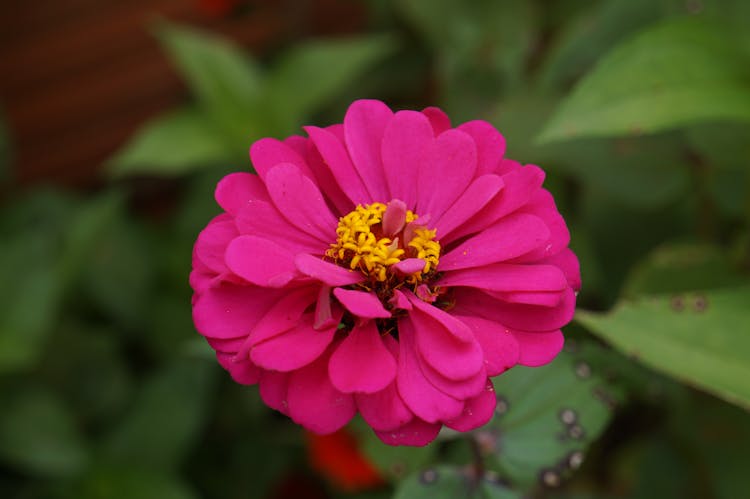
(639, 111)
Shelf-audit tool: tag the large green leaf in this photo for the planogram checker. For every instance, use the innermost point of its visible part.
(166, 419)
(226, 83)
(677, 73)
(450, 482)
(38, 434)
(699, 338)
(546, 418)
(173, 144)
(311, 74)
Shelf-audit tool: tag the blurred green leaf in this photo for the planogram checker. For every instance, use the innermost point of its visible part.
(29, 298)
(173, 144)
(119, 273)
(38, 434)
(125, 483)
(479, 48)
(546, 418)
(226, 82)
(449, 482)
(723, 145)
(682, 267)
(677, 73)
(699, 338)
(312, 74)
(166, 419)
(588, 36)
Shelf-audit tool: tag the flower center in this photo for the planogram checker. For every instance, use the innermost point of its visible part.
(375, 237)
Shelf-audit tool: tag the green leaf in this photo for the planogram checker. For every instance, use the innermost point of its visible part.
(677, 73)
(450, 482)
(166, 419)
(546, 417)
(699, 338)
(29, 300)
(124, 483)
(311, 74)
(226, 83)
(681, 267)
(38, 434)
(173, 144)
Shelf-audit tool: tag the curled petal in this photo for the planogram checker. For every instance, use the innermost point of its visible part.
(260, 261)
(416, 433)
(477, 411)
(361, 303)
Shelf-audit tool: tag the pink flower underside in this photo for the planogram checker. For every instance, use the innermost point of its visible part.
(269, 304)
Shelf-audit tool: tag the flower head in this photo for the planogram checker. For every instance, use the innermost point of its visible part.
(388, 266)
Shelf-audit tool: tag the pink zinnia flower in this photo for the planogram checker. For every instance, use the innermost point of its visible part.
(388, 266)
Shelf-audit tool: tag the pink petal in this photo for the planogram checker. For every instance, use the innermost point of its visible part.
(361, 363)
(438, 119)
(300, 202)
(477, 411)
(235, 190)
(364, 126)
(520, 186)
(490, 145)
(383, 410)
(538, 348)
(508, 278)
(273, 387)
(267, 153)
(325, 180)
(212, 243)
(516, 316)
(543, 206)
(400, 301)
(294, 348)
(409, 266)
(394, 217)
(459, 389)
(324, 317)
(444, 342)
(361, 303)
(336, 157)
(542, 298)
(405, 140)
(475, 197)
(499, 346)
(325, 272)
(419, 395)
(243, 372)
(416, 433)
(567, 261)
(313, 401)
(260, 218)
(445, 171)
(229, 310)
(260, 261)
(285, 314)
(511, 237)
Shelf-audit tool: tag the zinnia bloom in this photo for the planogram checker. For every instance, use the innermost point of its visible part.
(390, 266)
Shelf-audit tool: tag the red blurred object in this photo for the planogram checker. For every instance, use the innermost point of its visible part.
(337, 458)
(217, 8)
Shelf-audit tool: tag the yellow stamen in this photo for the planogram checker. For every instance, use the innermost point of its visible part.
(359, 247)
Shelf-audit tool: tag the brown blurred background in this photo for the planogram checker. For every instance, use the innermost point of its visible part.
(77, 77)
